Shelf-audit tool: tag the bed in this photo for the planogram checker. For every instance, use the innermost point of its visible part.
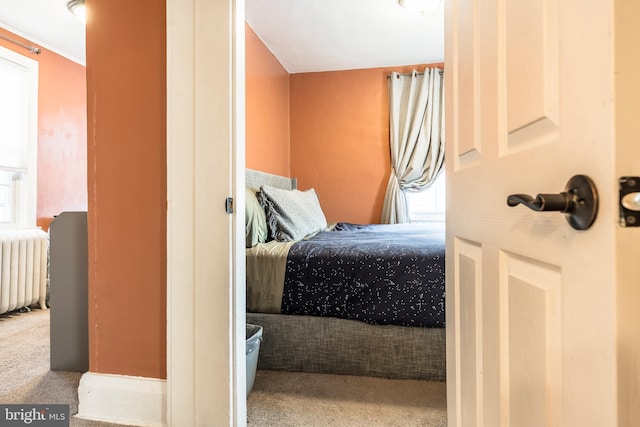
(357, 299)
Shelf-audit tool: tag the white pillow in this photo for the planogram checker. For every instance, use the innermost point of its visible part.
(291, 214)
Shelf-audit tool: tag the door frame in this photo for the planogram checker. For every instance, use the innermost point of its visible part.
(627, 128)
(205, 128)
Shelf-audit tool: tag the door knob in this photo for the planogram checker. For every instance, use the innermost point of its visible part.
(579, 202)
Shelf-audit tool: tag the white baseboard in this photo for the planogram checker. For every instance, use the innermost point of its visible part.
(121, 399)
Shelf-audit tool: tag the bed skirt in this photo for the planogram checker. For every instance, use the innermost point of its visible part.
(350, 347)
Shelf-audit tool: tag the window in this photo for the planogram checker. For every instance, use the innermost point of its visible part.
(429, 204)
(18, 139)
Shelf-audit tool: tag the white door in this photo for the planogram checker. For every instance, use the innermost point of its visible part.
(531, 301)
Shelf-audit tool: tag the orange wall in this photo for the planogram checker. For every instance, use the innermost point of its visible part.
(330, 130)
(126, 88)
(267, 109)
(62, 132)
(340, 139)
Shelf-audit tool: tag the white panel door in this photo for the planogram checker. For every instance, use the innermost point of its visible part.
(531, 301)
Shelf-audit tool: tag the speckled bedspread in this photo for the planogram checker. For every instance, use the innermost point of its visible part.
(379, 274)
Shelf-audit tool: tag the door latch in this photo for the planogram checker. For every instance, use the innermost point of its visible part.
(630, 201)
(228, 205)
(579, 202)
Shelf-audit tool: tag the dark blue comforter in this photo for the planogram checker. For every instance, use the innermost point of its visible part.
(380, 274)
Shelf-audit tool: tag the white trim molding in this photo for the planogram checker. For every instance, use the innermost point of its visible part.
(121, 399)
(205, 245)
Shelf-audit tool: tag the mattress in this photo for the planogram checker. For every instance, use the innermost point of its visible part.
(378, 274)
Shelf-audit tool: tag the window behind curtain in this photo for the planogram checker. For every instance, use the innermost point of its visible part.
(18, 139)
(429, 204)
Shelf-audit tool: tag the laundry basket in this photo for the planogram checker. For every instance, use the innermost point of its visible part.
(254, 336)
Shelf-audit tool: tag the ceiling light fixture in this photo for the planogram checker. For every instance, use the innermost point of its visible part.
(78, 9)
(420, 7)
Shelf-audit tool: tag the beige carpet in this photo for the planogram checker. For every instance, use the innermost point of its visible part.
(282, 399)
(24, 348)
(279, 399)
(24, 366)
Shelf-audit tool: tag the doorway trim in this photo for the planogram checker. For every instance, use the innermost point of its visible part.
(205, 164)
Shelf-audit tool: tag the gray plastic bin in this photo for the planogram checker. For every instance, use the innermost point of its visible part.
(254, 336)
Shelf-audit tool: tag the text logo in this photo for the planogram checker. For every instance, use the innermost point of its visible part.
(34, 415)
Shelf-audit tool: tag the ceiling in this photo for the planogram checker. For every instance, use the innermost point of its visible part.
(305, 35)
(46, 23)
(326, 35)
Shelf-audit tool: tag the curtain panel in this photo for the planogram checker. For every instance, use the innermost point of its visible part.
(416, 138)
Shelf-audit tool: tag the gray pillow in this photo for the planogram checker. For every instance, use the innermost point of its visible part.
(291, 214)
(255, 220)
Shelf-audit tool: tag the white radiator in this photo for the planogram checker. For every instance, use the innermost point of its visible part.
(23, 268)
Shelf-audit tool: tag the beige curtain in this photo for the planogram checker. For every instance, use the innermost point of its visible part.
(416, 134)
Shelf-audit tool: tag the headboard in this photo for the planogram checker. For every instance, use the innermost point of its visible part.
(255, 179)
